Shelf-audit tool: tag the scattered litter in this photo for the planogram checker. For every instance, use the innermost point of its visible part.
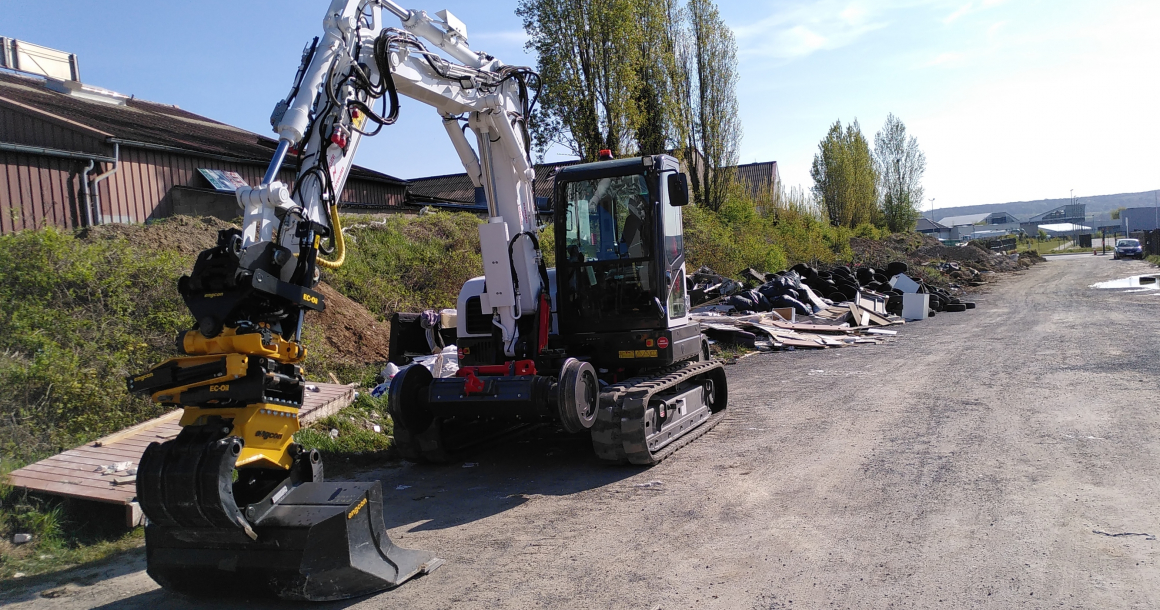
(310, 387)
(117, 468)
(377, 428)
(1122, 534)
(649, 484)
(881, 331)
(21, 538)
(125, 480)
(19, 575)
(402, 487)
(334, 433)
(470, 464)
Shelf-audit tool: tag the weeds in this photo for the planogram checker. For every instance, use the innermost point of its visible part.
(354, 436)
(64, 533)
(409, 264)
(78, 318)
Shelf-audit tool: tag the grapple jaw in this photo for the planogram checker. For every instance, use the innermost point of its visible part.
(319, 542)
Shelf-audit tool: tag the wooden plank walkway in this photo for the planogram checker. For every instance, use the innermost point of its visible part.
(75, 474)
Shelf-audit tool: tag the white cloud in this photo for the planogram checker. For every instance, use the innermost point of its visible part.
(962, 10)
(797, 31)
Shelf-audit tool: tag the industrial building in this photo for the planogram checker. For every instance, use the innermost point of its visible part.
(1139, 219)
(74, 155)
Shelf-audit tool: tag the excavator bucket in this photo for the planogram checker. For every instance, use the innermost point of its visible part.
(317, 542)
(292, 535)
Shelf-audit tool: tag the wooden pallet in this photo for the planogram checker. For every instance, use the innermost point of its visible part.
(74, 473)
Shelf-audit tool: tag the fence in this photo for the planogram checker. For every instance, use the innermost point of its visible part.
(1149, 239)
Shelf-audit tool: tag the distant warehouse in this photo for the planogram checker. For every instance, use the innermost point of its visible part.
(74, 155)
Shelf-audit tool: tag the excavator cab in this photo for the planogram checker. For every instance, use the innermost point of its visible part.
(620, 267)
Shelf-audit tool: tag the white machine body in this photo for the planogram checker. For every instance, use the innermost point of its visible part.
(471, 89)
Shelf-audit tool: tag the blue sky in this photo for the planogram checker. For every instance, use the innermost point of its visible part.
(1010, 100)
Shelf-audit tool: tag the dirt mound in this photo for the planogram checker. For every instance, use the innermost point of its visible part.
(187, 235)
(351, 334)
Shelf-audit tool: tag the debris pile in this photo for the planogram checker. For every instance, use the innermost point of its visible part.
(806, 307)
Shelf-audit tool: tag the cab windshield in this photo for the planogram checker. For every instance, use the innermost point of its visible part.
(606, 219)
(1127, 243)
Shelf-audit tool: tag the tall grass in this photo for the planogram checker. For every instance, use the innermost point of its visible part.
(769, 236)
(77, 318)
(404, 263)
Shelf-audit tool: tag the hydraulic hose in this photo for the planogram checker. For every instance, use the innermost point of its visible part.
(339, 242)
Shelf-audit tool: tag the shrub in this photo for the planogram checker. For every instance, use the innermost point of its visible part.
(79, 317)
(741, 235)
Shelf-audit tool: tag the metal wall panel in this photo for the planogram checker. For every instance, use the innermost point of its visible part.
(37, 191)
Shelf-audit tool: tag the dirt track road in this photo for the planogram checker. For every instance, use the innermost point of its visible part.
(1002, 458)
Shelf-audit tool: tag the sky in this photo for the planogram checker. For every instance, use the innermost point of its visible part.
(1010, 100)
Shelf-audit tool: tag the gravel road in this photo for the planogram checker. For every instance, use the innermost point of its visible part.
(1006, 457)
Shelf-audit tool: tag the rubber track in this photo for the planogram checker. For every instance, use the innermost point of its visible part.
(618, 435)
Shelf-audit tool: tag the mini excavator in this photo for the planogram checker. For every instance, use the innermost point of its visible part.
(601, 344)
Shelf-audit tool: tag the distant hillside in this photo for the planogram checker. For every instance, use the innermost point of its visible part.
(1099, 204)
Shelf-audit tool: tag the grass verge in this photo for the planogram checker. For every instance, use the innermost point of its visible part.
(65, 533)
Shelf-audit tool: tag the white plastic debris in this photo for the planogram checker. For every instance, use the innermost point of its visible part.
(402, 487)
(334, 433)
(443, 364)
(310, 387)
(649, 484)
(21, 538)
(116, 468)
(904, 283)
(377, 428)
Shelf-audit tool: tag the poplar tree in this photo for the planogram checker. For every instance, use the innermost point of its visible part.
(845, 177)
(718, 126)
(588, 57)
(900, 166)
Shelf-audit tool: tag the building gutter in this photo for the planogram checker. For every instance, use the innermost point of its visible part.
(52, 152)
(96, 203)
(85, 193)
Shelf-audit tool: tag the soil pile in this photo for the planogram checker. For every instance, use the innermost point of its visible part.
(349, 331)
(186, 235)
(350, 334)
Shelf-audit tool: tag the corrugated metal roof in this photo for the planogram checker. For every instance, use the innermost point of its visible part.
(969, 219)
(926, 224)
(757, 178)
(147, 122)
(457, 190)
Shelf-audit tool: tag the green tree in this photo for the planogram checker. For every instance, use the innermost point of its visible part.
(588, 59)
(713, 67)
(900, 164)
(1116, 213)
(657, 127)
(845, 177)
